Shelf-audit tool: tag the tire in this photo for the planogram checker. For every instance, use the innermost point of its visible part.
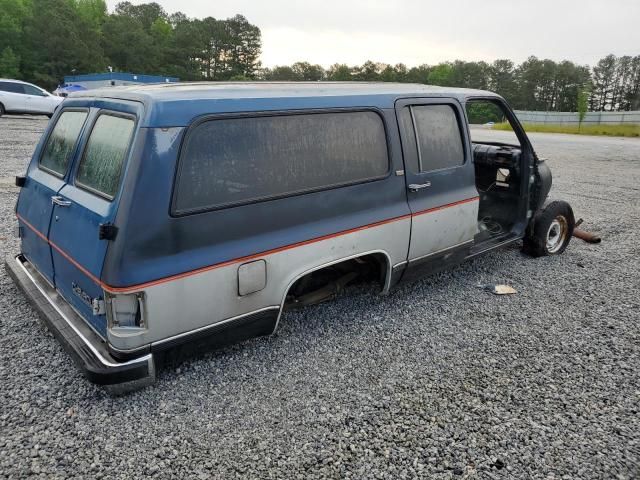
(2, 110)
(550, 231)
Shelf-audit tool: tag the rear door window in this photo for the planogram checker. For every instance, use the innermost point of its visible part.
(31, 90)
(101, 166)
(242, 160)
(439, 137)
(62, 141)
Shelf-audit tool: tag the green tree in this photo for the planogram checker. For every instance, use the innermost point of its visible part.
(603, 75)
(502, 79)
(627, 82)
(369, 71)
(401, 71)
(419, 74)
(187, 49)
(570, 80)
(388, 74)
(441, 74)
(243, 50)
(307, 72)
(58, 41)
(339, 72)
(138, 38)
(528, 75)
(145, 13)
(214, 48)
(582, 102)
(14, 14)
(93, 13)
(481, 112)
(127, 46)
(282, 73)
(632, 89)
(9, 64)
(469, 75)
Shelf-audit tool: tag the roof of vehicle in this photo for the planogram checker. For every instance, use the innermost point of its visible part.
(177, 104)
(15, 81)
(227, 90)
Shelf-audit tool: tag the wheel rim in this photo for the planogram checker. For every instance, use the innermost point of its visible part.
(557, 234)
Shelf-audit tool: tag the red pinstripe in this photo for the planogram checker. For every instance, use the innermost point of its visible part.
(178, 276)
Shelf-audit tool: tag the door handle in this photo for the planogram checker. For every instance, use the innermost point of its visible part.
(414, 187)
(60, 201)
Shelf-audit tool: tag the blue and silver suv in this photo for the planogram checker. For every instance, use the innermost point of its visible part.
(164, 216)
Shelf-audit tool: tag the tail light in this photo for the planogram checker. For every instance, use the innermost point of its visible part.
(126, 311)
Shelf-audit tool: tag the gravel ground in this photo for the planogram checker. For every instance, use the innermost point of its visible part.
(440, 379)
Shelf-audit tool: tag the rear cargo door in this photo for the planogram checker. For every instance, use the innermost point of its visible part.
(45, 178)
(84, 209)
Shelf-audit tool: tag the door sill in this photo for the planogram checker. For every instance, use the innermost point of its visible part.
(493, 243)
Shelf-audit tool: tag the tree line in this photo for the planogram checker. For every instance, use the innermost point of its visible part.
(535, 84)
(43, 40)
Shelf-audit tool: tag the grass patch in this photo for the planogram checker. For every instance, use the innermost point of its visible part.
(628, 130)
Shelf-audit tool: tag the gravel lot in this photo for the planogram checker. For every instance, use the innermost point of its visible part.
(440, 379)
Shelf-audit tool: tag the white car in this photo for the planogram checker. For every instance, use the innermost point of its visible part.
(22, 97)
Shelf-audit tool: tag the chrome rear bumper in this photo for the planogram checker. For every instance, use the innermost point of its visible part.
(90, 351)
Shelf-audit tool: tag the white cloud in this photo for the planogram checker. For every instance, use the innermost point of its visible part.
(283, 46)
(428, 31)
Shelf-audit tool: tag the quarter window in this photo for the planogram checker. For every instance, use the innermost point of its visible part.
(239, 160)
(62, 141)
(439, 137)
(101, 165)
(11, 87)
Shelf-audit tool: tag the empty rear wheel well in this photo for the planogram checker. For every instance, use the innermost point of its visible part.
(325, 282)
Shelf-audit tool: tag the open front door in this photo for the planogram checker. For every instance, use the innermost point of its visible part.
(440, 181)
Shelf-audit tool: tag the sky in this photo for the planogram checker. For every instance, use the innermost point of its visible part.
(414, 32)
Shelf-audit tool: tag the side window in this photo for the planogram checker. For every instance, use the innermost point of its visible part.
(101, 165)
(31, 90)
(439, 137)
(488, 122)
(239, 160)
(62, 141)
(11, 87)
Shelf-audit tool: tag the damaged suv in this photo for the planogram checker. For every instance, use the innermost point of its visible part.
(159, 217)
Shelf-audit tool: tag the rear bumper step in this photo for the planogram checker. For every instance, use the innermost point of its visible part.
(88, 350)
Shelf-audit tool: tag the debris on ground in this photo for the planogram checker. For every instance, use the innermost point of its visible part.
(498, 289)
(586, 236)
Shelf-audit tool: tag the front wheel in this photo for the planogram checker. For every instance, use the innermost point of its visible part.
(550, 231)
(2, 110)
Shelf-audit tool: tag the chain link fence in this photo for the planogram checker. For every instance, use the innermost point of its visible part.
(568, 118)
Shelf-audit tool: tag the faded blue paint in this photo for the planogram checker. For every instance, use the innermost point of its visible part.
(74, 228)
(150, 243)
(177, 105)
